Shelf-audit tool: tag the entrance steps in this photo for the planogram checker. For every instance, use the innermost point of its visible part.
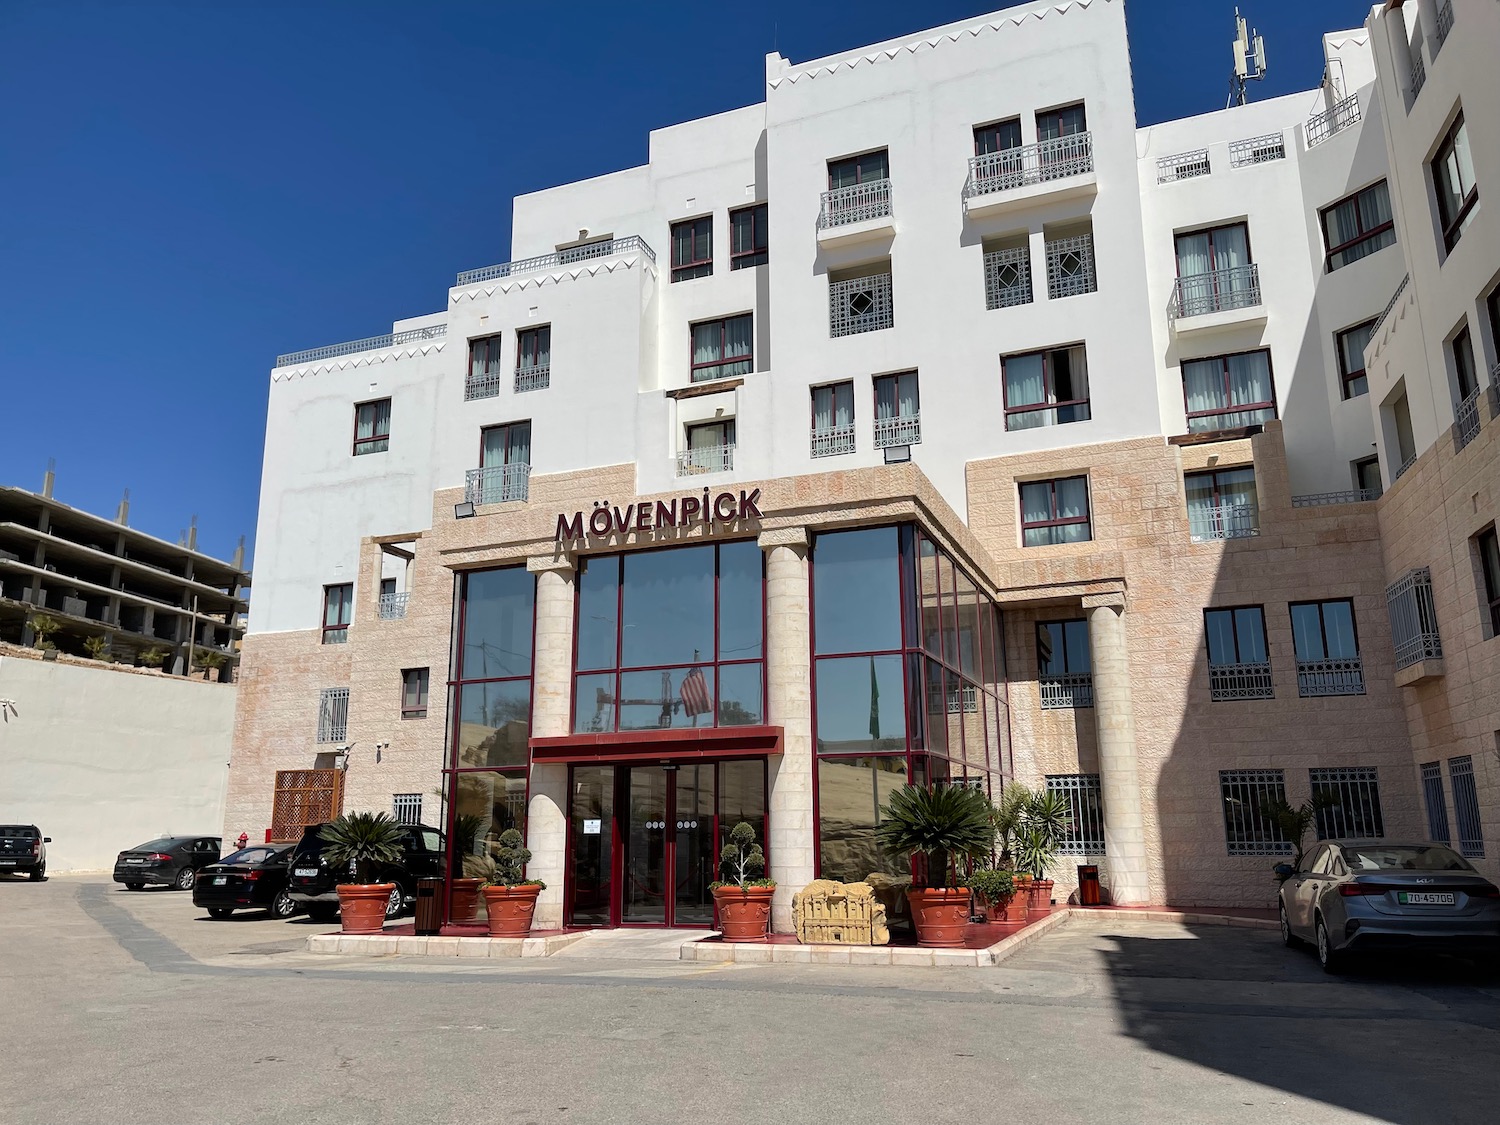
(632, 945)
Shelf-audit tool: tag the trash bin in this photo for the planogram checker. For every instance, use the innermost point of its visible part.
(1088, 884)
(429, 912)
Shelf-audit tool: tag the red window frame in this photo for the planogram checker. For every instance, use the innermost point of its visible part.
(340, 595)
(506, 426)
(414, 704)
(854, 162)
(995, 129)
(1241, 408)
(724, 358)
(1046, 115)
(1049, 386)
(489, 347)
(1346, 376)
(362, 445)
(1451, 224)
(529, 345)
(760, 252)
(1488, 544)
(1211, 231)
(700, 262)
(1365, 232)
(1056, 520)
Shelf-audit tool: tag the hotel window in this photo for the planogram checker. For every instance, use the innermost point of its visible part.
(1327, 646)
(1401, 442)
(833, 419)
(338, 611)
(1249, 798)
(414, 693)
(1347, 803)
(1047, 388)
(1239, 665)
(1055, 511)
(1453, 180)
(1085, 834)
(483, 379)
(710, 448)
(534, 358)
(1222, 504)
(1357, 226)
(504, 463)
(1367, 477)
(1463, 364)
(407, 808)
(722, 348)
(749, 242)
(1213, 270)
(372, 427)
(1228, 392)
(861, 169)
(997, 137)
(333, 714)
(1067, 121)
(1466, 807)
(1065, 676)
(693, 248)
(1350, 344)
(1487, 546)
(898, 410)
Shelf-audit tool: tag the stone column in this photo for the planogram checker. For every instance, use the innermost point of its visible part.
(546, 816)
(1124, 825)
(789, 706)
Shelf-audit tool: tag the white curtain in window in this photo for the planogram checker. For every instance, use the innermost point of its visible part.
(1249, 378)
(1231, 247)
(1072, 498)
(682, 243)
(1204, 383)
(518, 444)
(1036, 502)
(1456, 173)
(536, 349)
(1352, 345)
(373, 418)
(1237, 489)
(737, 342)
(1192, 254)
(833, 406)
(492, 452)
(1026, 386)
(708, 342)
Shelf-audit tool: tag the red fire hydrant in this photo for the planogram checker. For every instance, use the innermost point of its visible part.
(242, 841)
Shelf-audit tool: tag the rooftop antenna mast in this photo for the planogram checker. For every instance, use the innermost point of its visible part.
(1249, 60)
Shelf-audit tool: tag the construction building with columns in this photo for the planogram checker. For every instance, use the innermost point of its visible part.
(1032, 446)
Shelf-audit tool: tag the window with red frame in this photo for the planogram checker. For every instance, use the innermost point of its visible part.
(722, 348)
(414, 684)
(1068, 121)
(693, 248)
(1351, 344)
(997, 137)
(372, 427)
(749, 243)
(534, 349)
(1055, 511)
(1488, 546)
(1453, 179)
(1228, 392)
(1463, 364)
(1358, 225)
(1047, 388)
(338, 611)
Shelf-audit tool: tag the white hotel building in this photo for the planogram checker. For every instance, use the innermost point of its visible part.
(1038, 446)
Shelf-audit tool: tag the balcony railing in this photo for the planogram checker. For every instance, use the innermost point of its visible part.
(393, 606)
(1182, 166)
(906, 429)
(533, 379)
(1389, 305)
(1237, 287)
(1257, 150)
(1070, 266)
(485, 384)
(1335, 119)
(1070, 689)
(1444, 21)
(1350, 496)
(572, 255)
(833, 441)
(1330, 677)
(498, 484)
(705, 459)
(855, 204)
(1414, 627)
(860, 304)
(1223, 521)
(1418, 71)
(368, 344)
(1403, 468)
(1053, 159)
(1228, 682)
(1466, 415)
(1007, 277)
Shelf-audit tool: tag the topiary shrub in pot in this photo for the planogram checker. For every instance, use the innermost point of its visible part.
(364, 843)
(993, 890)
(1045, 819)
(946, 824)
(743, 897)
(509, 897)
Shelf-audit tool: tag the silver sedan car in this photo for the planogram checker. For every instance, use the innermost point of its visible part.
(1357, 896)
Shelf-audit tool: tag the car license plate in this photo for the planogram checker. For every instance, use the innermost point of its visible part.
(305, 872)
(1425, 898)
(220, 880)
(7, 863)
(135, 861)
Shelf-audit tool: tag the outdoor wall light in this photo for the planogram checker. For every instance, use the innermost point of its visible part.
(463, 509)
(897, 454)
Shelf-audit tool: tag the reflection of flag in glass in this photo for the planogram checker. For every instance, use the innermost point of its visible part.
(694, 694)
(874, 702)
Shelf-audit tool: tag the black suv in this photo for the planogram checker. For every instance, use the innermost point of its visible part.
(23, 848)
(315, 885)
(172, 861)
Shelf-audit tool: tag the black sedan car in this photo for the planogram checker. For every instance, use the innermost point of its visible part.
(252, 878)
(1366, 896)
(171, 861)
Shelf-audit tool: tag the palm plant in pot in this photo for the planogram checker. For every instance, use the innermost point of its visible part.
(743, 896)
(1045, 819)
(1007, 819)
(509, 897)
(946, 824)
(363, 843)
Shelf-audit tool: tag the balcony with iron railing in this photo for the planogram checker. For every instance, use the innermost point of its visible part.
(568, 256)
(1403, 468)
(1070, 266)
(833, 440)
(1217, 299)
(1257, 150)
(536, 378)
(369, 344)
(1229, 682)
(1466, 418)
(856, 212)
(1414, 627)
(705, 459)
(904, 429)
(1418, 74)
(1223, 521)
(1335, 119)
(860, 304)
(1444, 22)
(1066, 690)
(1007, 277)
(1055, 168)
(393, 606)
(481, 384)
(498, 484)
(1183, 166)
(1348, 496)
(1318, 678)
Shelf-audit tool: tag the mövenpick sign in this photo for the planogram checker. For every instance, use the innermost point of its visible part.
(611, 519)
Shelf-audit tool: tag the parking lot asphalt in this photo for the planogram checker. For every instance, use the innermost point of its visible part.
(135, 1007)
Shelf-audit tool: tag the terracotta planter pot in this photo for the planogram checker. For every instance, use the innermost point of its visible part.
(1040, 895)
(996, 910)
(744, 912)
(465, 900)
(1018, 908)
(939, 915)
(510, 909)
(362, 906)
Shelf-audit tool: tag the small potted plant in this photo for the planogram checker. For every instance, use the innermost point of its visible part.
(1007, 823)
(742, 897)
(96, 647)
(945, 824)
(363, 843)
(509, 896)
(993, 891)
(44, 626)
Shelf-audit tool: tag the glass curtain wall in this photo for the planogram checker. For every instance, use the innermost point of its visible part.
(908, 684)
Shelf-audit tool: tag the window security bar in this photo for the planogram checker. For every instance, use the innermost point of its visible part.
(1237, 287)
(1223, 521)
(1466, 806)
(1319, 678)
(1182, 166)
(1418, 72)
(1070, 266)
(1444, 21)
(855, 204)
(407, 808)
(393, 606)
(1414, 627)
(1085, 836)
(1437, 802)
(833, 441)
(1053, 159)
(705, 459)
(333, 715)
(603, 248)
(1350, 806)
(1467, 418)
(1231, 682)
(1350, 496)
(1257, 150)
(1007, 277)
(904, 429)
(369, 344)
(497, 484)
(860, 304)
(533, 379)
(1249, 828)
(1335, 119)
(1066, 690)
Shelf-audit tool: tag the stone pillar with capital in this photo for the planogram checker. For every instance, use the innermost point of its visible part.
(789, 706)
(1119, 779)
(551, 677)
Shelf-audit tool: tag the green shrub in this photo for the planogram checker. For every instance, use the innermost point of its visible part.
(506, 868)
(44, 626)
(946, 824)
(741, 858)
(153, 657)
(363, 841)
(996, 886)
(96, 647)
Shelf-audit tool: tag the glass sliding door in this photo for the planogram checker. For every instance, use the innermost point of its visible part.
(694, 862)
(643, 836)
(591, 831)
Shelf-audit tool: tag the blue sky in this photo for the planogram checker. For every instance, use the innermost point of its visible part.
(188, 189)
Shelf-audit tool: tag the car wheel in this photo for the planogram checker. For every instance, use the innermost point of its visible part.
(135, 886)
(323, 913)
(283, 905)
(1288, 939)
(185, 879)
(394, 904)
(1331, 960)
(220, 911)
(38, 874)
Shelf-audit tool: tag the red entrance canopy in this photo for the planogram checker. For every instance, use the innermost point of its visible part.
(690, 744)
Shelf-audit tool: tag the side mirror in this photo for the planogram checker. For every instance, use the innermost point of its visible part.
(46, 839)
(1284, 871)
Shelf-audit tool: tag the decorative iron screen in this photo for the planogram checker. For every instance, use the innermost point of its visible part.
(1352, 808)
(1085, 836)
(1466, 806)
(1437, 802)
(333, 714)
(1249, 828)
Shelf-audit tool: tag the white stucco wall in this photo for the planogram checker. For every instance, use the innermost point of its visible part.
(103, 760)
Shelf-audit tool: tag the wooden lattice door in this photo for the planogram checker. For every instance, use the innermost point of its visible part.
(304, 797)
